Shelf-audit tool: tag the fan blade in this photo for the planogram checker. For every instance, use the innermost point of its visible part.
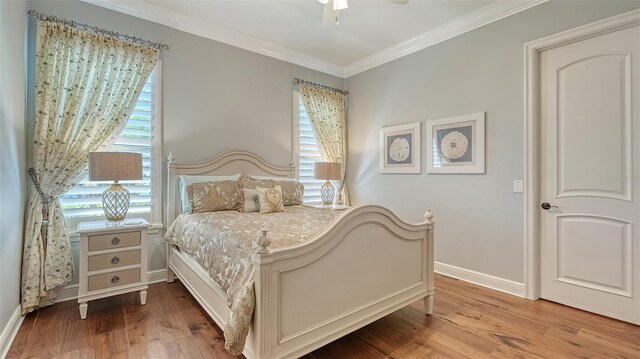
(399, 2)
(329, 15)
(340, 5)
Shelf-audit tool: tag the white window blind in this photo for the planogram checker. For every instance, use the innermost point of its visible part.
(308, 155)
(84, 201)
(437, 160)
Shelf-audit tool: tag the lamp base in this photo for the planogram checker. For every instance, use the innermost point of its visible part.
(115, 202)
(327, 192)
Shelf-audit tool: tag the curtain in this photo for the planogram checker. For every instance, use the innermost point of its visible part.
(86, 87)
(326, 111)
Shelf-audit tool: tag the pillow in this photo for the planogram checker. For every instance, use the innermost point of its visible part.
(270, 199)
(287, 179)
(186, 180)
(292, 192)
(251, 184)
(213, 196)
(250, 201)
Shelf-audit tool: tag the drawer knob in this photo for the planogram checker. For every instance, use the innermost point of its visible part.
(115, 279)
(115, 241)
(115, 260)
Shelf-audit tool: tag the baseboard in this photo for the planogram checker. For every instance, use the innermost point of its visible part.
(10, 331)
(156, 276)
(70, 292)
(481, 279)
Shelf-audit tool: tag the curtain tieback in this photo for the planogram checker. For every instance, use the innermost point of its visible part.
(43, 197)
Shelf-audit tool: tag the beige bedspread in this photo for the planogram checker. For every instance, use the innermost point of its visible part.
(223, 244)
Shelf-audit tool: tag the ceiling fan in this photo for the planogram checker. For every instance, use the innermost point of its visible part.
(332, 9)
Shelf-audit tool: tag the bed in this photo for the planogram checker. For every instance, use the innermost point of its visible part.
(364, 265)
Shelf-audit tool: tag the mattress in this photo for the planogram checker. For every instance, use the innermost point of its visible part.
(224, 242)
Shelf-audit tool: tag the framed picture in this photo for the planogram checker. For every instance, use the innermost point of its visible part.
(456, 144)
(400, 148)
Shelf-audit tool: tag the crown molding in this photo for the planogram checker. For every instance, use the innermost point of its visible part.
(483, 16)
(211, 31)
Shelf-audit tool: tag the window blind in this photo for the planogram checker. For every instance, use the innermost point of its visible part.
(309, 154)
(85, 199)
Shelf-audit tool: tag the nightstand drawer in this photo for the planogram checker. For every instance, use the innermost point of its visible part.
(115, 240)
(115, 279)
(114, 260)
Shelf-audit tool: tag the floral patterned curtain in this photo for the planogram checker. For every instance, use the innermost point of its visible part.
(86, 87)
(325, 108)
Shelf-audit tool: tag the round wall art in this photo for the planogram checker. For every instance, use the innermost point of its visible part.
(454, 145)
(399, 149)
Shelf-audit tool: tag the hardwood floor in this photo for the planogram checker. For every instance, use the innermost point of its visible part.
(468, 322)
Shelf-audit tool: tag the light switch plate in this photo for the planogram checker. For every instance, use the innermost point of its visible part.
(518, 186)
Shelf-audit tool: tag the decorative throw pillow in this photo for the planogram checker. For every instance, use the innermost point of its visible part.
(270, 199)
(273, 178)
(213, 196)
(249, 183)
(292, 192)
(250, 201)
(186, 180)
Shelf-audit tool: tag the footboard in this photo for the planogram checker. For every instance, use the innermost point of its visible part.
(364, 266)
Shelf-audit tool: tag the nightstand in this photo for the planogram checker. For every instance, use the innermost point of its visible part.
(113, 260)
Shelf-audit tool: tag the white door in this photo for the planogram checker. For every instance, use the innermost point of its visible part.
(590, 169)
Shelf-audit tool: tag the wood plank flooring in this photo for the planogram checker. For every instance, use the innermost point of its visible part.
(468, 322)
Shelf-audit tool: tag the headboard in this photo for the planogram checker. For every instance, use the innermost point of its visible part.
(226, 163)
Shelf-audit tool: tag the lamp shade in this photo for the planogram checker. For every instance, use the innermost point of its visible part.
(327, 171)
(115, 166)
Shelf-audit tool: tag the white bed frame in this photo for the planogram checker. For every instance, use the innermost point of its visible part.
(365, 265)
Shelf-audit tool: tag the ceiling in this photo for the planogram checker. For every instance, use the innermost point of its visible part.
(366, 27)
(370, 33)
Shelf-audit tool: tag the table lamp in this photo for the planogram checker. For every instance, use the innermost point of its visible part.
(115, 166)
(327, 171)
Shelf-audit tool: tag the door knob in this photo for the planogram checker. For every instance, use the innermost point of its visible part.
(546, 206)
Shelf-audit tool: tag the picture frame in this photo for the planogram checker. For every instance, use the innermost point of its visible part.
(400, 148)
(456, 144)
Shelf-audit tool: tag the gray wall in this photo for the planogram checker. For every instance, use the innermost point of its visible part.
(216, 97)
(12, 153)
(479, 220)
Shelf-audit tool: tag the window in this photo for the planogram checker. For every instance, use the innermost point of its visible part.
(84, 201)
(307, 152)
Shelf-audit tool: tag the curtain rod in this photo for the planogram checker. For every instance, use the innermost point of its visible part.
(45, 17)
(298, 81)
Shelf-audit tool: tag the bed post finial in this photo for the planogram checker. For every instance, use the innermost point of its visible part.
(429, 217)
(171, 158)
(263, 242)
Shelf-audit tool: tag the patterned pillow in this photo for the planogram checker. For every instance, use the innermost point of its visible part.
(186, 180)
(213, 196)
(248, 182)
(292, 192)
(250, 201)
(270, 199)
(251, 184)
(273, 178)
